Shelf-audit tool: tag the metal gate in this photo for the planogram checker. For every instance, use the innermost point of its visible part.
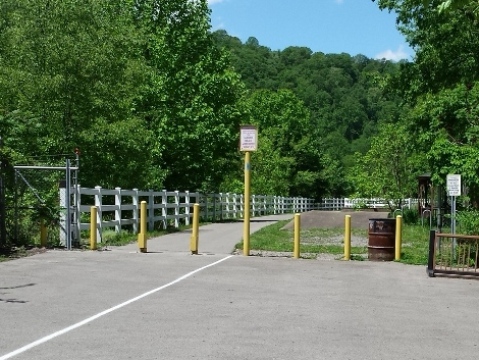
(41, 194)
(453, 254)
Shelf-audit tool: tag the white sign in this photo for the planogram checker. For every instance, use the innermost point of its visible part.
(248, 138)
(453, 185)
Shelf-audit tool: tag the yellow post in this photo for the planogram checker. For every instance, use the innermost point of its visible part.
(93, 226)
(142, 234)
(347, 237)
(43, 233)
(195, 229)
(397, 253)
(297, 230)
(246, 205)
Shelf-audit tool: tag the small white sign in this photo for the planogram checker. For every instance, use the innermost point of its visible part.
(453, 185)
(249, 138)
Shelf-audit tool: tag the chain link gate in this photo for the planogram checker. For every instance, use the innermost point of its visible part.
(46, 194)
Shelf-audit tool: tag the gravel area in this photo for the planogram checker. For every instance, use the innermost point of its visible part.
(278, 254)
(335, 219)
(326, 220)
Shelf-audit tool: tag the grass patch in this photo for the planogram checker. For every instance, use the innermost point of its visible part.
(415, 244)
(317, 240)
(272, 238)
(112, 238)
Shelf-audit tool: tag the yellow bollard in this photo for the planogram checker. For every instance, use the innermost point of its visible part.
(43, 233)
(93, 227)
(195, 229)
(397, 252)
(347, 237)
(297, 229)
(142, 234)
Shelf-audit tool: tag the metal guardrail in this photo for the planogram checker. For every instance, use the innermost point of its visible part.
(453, 254)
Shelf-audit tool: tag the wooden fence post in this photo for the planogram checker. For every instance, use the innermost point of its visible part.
(118, 209)
(164, 210)
(135, 201)
(227, 200)
(98, 204)
(187, 208)
(235, 204)
(151, 210)
(93, 227)
(177, 209)
(241, 205)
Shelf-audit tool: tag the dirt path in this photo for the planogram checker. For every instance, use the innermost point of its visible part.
(335, 219)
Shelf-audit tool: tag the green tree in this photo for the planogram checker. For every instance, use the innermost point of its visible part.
(345, 97)
(67, 67)
(280, 118)
(444, 45)
(389, 169)
(191, 101)
(440, 84)
(447, 129)
(290, 158)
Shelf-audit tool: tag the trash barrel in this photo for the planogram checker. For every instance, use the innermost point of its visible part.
(381, 241)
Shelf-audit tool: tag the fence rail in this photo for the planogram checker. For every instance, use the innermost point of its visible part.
(119, 208)
(358, 203)
(453, 254)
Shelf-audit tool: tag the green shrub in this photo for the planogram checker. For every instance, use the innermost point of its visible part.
(468, 222)
(410, 216)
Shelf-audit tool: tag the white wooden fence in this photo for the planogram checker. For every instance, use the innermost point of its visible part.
(355, 203)
(119, 208)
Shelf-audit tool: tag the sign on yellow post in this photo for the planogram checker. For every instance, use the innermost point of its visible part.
(248, 143)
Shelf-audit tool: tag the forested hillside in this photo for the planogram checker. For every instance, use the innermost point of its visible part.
(344, 102)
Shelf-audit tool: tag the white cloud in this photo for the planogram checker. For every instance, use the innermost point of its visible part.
(212, 2)
(219, 26)
(397, 55)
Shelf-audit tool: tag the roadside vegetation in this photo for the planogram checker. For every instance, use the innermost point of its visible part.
(112, 238)
(274, 238)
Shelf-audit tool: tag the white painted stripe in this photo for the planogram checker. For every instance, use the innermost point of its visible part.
(94, 317)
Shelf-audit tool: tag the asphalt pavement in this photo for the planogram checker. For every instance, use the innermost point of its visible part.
(169, 304)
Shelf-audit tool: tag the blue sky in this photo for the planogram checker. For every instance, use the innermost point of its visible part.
(328, 26)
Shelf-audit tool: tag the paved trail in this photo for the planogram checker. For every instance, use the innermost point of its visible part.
(168, 304)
